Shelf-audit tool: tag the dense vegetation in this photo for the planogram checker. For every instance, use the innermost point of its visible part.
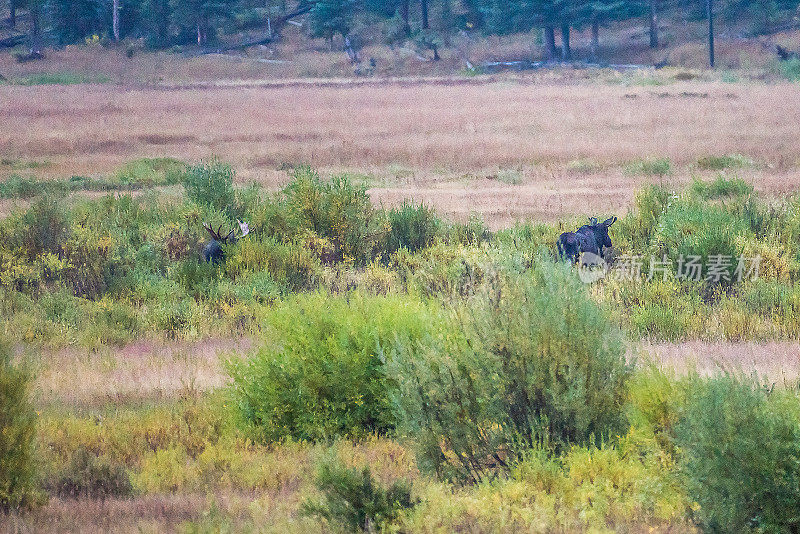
(117, 268)
(427, 23)
(384, 331)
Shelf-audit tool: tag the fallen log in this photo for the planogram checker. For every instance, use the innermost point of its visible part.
(498, 66)
(784, 54)
(14, 40)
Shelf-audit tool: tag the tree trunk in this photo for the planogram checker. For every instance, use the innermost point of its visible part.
(550, 42)
(13, 14)
(199, 34)
(710, 14)
(595, 39)
(115, 20)
(35, 14)
(404, 9)
(424, 6)
(653, 25)
(566, 52)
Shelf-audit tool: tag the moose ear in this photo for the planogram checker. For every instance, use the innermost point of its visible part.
(593, 220)
(610, 221)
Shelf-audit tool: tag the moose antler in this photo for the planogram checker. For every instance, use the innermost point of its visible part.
(214, 235)
(244, 227)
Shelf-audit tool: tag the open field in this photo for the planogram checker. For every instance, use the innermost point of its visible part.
(458, 145)
(171, 395)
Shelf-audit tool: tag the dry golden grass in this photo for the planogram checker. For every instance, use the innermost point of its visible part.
(452, 133)
(776, 361)
(139, 372)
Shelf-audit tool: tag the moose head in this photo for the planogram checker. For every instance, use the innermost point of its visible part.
(213, 251)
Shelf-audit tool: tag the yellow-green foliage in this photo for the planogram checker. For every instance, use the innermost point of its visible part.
(624, 486)
(18, 468)
(322, 374)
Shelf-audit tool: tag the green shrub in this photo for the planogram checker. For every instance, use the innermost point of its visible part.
(149, 172)
(413, 227)
(337, 211)
(17, 433)
(355, 500)
(719, 163)
(211, 184)
(472, 232)
(637, 227)
(722, 187)
(292, 266)
(649, 167)
(692, 228)
(18, 187)
(86, 475)
(530, 360)
(44, 227)
(323, 376)
(790, 69)
(740, 444)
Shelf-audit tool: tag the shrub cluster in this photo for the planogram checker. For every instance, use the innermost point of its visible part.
(18, 469)
(527, 361)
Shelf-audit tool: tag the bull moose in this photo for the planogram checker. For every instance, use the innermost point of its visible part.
(591, 238)
(213, 251)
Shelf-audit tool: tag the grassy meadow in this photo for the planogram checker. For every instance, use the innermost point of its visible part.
(355, 366)
(395, 346)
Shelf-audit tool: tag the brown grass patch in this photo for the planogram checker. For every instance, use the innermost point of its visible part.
(137, 373)
(450, 133)
(777, 361)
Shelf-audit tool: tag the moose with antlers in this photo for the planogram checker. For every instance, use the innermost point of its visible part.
(213, 251)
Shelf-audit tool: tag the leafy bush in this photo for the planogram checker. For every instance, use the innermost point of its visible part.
(413, 227)
(529, 360)
(718, 163)
(650, 167)
(790, 69)
(722, 187)
(337, 211)
(355, 500)
(44, 227)
(148, 172)
(17, 433)
(211, 184)
(18, 187)
(87, 475)
(323, 376)
(691, 228)
(740, 443)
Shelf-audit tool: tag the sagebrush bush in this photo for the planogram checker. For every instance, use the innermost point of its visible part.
(338, 211)
(740, 450)
(211, 184)
(529, 360)
(413, 227)
(89, 476)
(691, 228)
(322, 374)
(18, 468)
(718, 163)
(650, 167)
(721, 186)
(355, 500)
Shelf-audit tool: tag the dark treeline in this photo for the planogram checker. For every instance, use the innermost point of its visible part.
(428, 23)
